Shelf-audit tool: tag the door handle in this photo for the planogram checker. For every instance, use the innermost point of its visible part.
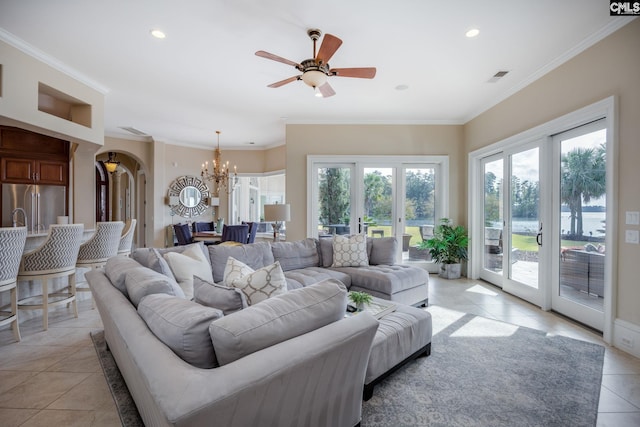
(539, 236)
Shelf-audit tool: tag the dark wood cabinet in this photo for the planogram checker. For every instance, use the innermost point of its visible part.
(30, 158)
(28, 171)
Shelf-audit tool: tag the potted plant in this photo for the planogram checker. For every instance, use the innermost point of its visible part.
(448, 247)
(359, 299)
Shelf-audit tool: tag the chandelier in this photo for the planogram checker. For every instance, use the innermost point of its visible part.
(224, 181)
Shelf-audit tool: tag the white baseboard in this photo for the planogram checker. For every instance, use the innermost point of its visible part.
(626, 337)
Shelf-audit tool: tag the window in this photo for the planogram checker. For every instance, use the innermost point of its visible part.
(252, 192)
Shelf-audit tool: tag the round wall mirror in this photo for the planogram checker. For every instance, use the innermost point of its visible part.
(188, 196)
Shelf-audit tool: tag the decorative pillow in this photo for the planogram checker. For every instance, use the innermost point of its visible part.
(350, 251)
(383, 251)
(153, 257)
(189, 263)
(183, 326)
(227, 299)
(116, 269)
(278, 319)
(256, 285)
(255, 255)
(142, 281)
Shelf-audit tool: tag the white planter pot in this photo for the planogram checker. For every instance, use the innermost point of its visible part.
(449, 271)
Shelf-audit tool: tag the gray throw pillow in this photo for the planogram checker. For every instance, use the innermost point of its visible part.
(278, 319)
(224, 298)
(142, 281)
(183, 326)
(383, 251)
(116, 269)
(154, 259)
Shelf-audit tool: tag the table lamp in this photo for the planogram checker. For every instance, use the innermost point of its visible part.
(277, 213)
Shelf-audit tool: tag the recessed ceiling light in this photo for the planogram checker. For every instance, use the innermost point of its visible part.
(158, 34)
(472, 32)
(402, 87)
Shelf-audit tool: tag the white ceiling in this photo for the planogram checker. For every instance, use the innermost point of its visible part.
(204, 76)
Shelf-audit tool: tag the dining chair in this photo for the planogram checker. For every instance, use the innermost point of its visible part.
(55, 258)
(126, 240)
(183, 234)
(12, 241)
(253, 229)
(102, 245)
(235, 233)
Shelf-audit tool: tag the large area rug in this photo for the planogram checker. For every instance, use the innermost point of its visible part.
(481, 372)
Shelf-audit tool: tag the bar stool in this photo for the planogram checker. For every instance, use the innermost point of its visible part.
(101, 246)
(124, 248)
(12, 241)
(54, 258)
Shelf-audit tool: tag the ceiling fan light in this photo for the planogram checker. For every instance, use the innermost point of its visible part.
(314, 78)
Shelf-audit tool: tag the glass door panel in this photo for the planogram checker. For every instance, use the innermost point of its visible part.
(493, 215)
(419, 212)
(378, 202)
(581, 250)
(333, 214)
(523, 217)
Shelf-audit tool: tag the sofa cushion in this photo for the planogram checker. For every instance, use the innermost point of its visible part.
(257, 285)
(386, 279)
(310, 275)
(183, 326)
(295, 255)
(227, 299)
(142, 281)
(383, 251)
(255, 255)
(278, 319)
(185, 265)
(153, 257)
(350, 251)
(116, 269)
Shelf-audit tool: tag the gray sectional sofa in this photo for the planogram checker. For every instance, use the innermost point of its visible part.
(292, 359)
(310, 261)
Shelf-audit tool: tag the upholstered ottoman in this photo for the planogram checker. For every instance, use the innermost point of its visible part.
(402, 336)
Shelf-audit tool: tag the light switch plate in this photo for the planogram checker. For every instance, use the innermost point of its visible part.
(632, 236)
(632, 218)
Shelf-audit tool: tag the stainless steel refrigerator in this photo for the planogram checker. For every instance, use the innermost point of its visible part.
(42, 205)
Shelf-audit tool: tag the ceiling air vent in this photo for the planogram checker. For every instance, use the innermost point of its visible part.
(134, 131)
(497, 76)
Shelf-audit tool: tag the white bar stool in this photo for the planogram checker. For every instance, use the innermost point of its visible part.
(101, 246)
(56, 257)
(127, 238)
(12, 241)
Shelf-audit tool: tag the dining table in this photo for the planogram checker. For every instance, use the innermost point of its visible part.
(206, 236)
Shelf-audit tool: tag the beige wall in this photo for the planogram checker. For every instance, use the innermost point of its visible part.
(611, 67)
(303, 140)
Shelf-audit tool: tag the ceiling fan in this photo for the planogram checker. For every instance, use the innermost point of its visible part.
(316, 70)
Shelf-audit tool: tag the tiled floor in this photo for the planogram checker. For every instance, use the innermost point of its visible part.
(54, 378)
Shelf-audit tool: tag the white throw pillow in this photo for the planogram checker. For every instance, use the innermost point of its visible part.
(350, 251)
(189, 263)
(257, 285)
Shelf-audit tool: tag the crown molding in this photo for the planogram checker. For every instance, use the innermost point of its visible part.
(41, 56)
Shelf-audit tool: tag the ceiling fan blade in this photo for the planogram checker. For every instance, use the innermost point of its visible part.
(329, 46)
(363, 73)
(284, 82)
(326, 90)
(273, 57)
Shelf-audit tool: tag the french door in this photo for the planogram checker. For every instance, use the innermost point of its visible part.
(395, 196)
(544, 215)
